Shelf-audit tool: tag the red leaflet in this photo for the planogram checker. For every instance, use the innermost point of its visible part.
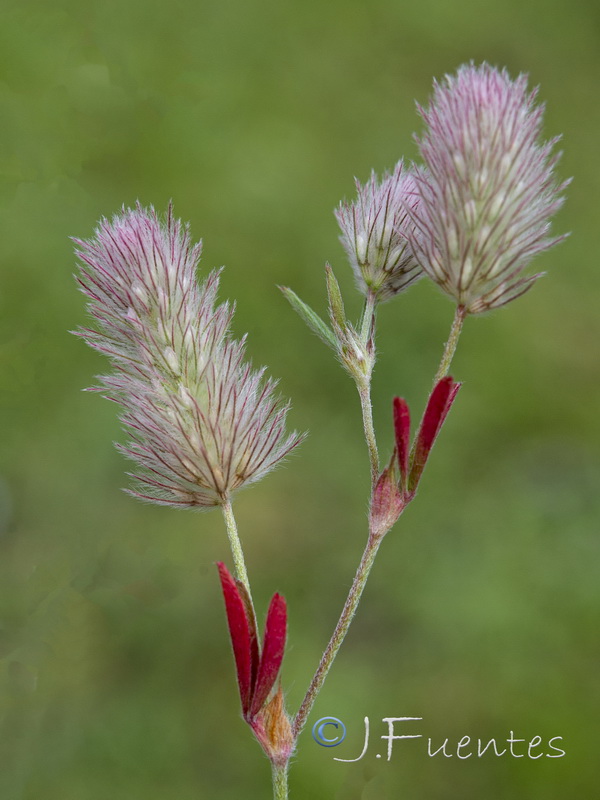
(440, 402)
(402, 429)
(256, 673)
(272, 652)
(241, 636)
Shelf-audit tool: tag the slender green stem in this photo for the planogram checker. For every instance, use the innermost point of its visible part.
(368, 557)
(280, 772)
(373, 543)
(280, 782)
(367, 415)
(352, 601)
(450, 348)
(364, 389)
(236, 545)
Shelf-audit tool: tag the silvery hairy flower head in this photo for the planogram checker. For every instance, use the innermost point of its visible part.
(488, 190)
(202, 421)
(374, 233)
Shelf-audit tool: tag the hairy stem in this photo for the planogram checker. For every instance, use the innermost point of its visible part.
(367, 335)
(373, 543)
(450, 348)
(280, 781)
(367, 415)
(236, 545)
(367, 331)
(341, 629)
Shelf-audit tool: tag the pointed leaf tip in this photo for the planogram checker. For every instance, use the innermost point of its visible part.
(312, 319)
(272, 652)
(337, 311)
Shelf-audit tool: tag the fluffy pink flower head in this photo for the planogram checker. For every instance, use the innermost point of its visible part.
(488, 190)
(374, 233)
(202, 422)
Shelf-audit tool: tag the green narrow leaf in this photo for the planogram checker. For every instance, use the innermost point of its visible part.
(314, 321)
(336, 303)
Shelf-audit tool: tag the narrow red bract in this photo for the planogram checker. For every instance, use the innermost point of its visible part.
(256, 672)
(402, 430)
(254, 644)
(240, 633)
(272, 652)
(438, 406)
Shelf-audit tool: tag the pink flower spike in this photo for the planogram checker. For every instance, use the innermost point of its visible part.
(484, 201)
(242, 633)
(375, 230)
(402, 430)
(272, 652)
(202, 421)
(438, 406)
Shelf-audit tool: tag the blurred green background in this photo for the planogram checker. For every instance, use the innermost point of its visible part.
(116, 677)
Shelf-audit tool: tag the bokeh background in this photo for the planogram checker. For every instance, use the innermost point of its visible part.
(481, 617)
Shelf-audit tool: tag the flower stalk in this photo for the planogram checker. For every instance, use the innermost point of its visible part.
(369, 430)
(280, 781)
(367, 335)
(450, 348)
(339, 634)
(235, 544)
(389, 497)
